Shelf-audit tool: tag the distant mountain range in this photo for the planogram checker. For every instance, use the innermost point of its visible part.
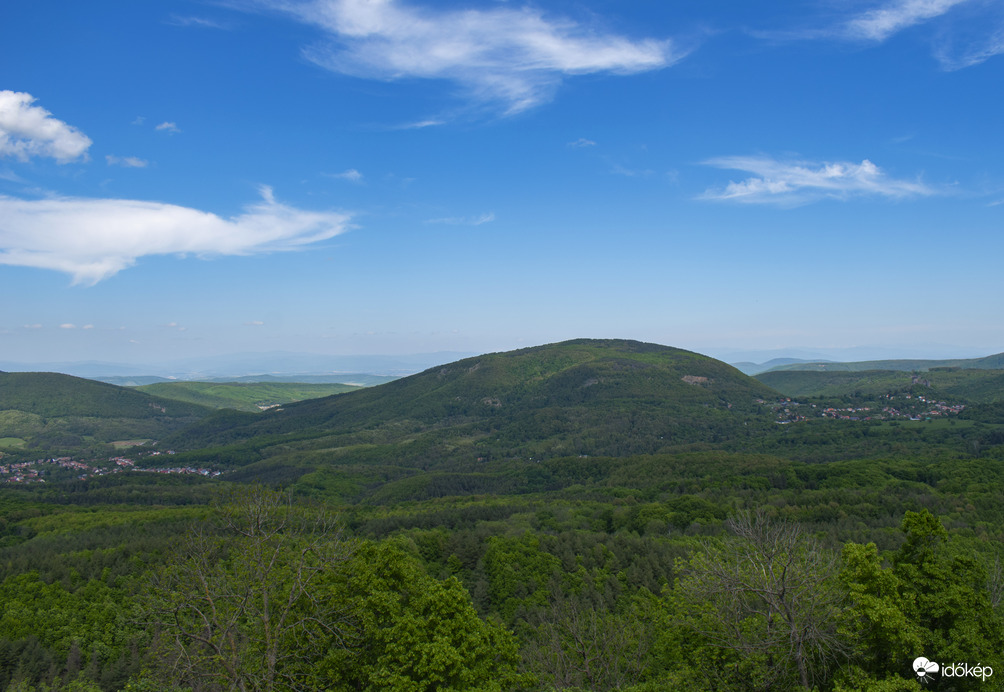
(994, 362)
(756, 368)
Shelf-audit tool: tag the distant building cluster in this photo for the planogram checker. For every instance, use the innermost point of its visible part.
(33, 471)
(913, 408)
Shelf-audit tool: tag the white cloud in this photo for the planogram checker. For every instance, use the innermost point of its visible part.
(168, 127)
(88, 326)
(254, 323)
(800, 182)
(126, 161)
(582, 142)
(27, 130)
(32, 326)
(515, 57)
(93, 239)
(881, 23)
(67, 325)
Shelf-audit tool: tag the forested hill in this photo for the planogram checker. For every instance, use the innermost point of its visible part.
(571, 398)
(49, 414)
(52, 394)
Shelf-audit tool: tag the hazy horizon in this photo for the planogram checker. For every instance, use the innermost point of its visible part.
(289, 363)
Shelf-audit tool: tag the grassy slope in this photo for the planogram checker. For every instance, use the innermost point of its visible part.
(244, 396)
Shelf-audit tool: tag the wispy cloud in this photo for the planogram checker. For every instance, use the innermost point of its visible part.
(27, 131)
(351, 175)
(126, 161)
(582, 142)
(963, 33)
(67, 325)
(465, 220)
(421, 124)
(882, 22)
(977, 38)
(93, 239)
(512, 57)
(618, 169)
(198, 22)
(169, 127)
(792, 183)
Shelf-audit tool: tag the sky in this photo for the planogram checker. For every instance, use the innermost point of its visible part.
(195, 178)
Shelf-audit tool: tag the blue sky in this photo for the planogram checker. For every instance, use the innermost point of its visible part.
(388, 176)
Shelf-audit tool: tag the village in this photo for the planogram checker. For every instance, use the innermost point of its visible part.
(900, 407)
(35, 471)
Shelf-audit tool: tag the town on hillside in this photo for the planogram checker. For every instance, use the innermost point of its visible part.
(66, 468)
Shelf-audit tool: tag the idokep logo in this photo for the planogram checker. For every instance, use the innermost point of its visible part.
(925, 669)
(928, 670)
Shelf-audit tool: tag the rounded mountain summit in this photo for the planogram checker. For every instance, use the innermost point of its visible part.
(583, 397)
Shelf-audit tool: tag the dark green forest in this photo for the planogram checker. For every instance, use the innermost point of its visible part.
(591, 515)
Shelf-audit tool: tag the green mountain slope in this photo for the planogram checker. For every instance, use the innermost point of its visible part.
(994, 362)
(59, 413)
(583, 397)
(244, 396)
(966, 385)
